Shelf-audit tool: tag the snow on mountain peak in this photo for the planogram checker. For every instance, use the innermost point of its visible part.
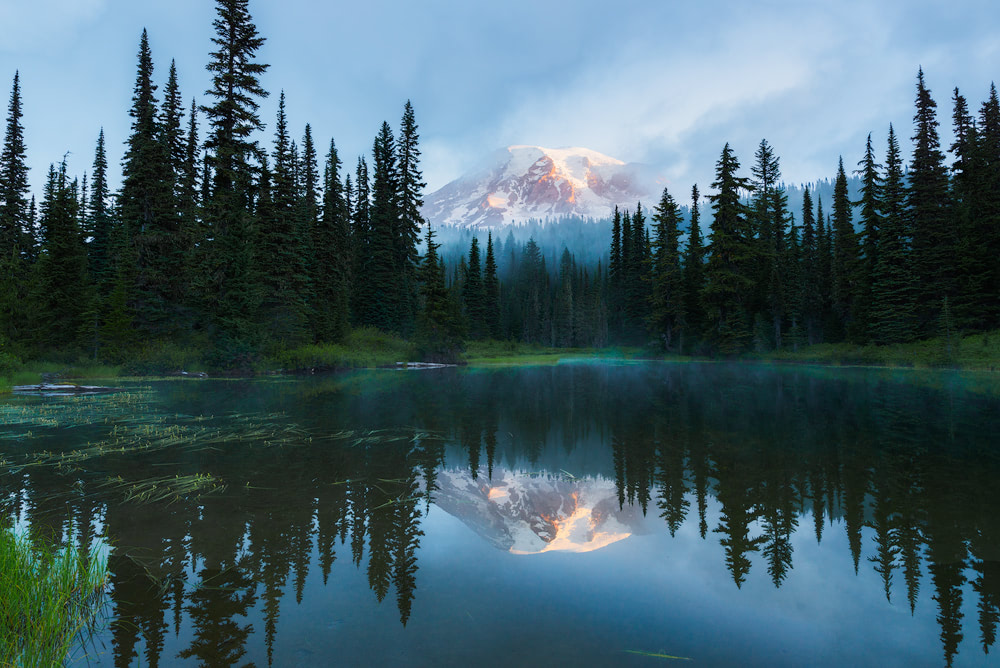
(529, 514)
(523, 182)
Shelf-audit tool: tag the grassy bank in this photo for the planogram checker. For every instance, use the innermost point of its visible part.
(48, 599)
(976, 352)
(511, 353)
(362, 348)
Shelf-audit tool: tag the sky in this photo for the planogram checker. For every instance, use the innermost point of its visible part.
(656, 81)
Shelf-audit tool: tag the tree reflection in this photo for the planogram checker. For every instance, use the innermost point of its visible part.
(743, 456)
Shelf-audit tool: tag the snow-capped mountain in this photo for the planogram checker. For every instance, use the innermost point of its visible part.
(530, 514)
(519, 183)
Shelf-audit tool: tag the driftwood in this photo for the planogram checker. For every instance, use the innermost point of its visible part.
(62, 389)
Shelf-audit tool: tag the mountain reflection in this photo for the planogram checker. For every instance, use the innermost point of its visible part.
(533, 460)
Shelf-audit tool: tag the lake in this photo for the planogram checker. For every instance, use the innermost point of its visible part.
(588, 513)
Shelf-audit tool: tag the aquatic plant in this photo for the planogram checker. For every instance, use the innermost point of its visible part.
(49, 598)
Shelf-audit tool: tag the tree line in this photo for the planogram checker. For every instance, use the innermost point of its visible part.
(914, 257)
(224, 245)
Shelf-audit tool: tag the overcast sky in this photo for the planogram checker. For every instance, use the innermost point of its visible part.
(661, 82)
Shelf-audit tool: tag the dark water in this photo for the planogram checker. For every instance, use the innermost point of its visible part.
(582, 514)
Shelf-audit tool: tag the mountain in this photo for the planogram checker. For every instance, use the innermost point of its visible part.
(529, 514)
(519, 183)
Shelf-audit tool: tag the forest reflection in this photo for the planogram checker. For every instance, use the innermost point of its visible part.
(345, 469)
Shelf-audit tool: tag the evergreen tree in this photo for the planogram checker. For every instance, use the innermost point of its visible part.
(438, 333)
(474, 295)
(147, 207)
(409, 199)
(846, 267)
(100, 219)
(927, 200)
(727, 274)
(280, 244)
(985, 232)
(870, 203)
(667, 317)
(380, 305)
(892, 287)
(694, 270)
(616, 276)
(332, 248)
(172, 131)
(16, 234)
(59, 286)
(491, 290)
(809, 286)
(232, 116)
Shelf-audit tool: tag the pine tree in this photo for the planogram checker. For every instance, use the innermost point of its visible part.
(809, 285)
(694, 271)
(438, 332)
(474, 295)
(60, 290)
(667, 317)
(727, 273)
(333, 259)
(100, 220)
(892, 287)
(146, 202)
(616, 277)
(172, 132)
(985, 233)
(933, 249)
(380, 305)
(15, 235)
(846, 265)
(870, 203)
(232, 117)
(491, 290)
(280, 244)
(16, 239)
(409, 199)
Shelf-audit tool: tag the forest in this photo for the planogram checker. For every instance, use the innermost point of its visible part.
(218, 244)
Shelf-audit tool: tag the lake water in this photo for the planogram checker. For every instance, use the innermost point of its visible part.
(580, 514)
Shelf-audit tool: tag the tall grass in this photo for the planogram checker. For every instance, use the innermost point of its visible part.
(48, 599)
(364, 347)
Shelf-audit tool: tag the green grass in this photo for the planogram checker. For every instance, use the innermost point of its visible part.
(362, 348)
(976, 352)
(48, 599)
(511, 353)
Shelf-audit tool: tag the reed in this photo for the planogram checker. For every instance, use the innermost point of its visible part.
(49, 599)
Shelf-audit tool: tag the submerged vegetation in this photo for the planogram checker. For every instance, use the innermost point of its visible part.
(50, 599)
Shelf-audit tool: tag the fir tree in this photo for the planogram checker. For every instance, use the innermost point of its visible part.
(809, 286)
(616, 276)
(727, 274)
(381, 304)
(16, 239)
(438, 333)
(409, 199)
(147, 207)
(100, 219)
(892, 287)
(927, 200)
(15, 234)
(232, 116)
(846, 267)
(985, 232)
(491, 290)
(60, 287)
(332, 256)
(870, 203)
(474, 295)
(667, 317)
(694, 270)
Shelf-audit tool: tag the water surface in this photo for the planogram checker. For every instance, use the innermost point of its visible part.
(581, 514)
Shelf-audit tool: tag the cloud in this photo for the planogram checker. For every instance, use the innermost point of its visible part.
(32, 25)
